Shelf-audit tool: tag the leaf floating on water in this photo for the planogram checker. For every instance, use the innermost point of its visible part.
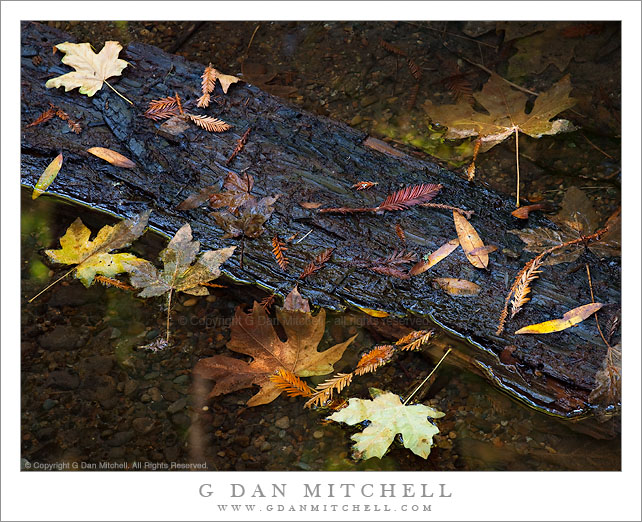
(388, 416)
(93, 257)
(295, 302)
(458, 287)
(112, 157)
(91, 69)
(254, 335)
(47, 177)
(570, 318)
(179, 273)
(469, 241)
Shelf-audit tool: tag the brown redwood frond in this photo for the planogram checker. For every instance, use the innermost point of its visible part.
(409, 196)
(317, 263)
(162, 109)
(520, 297)
(290, 384)
(419, 342)
(278, 247)
(240, 144)
(326, 389)
(208, 123)
(108, 281)
(44, 117)
(375, 358)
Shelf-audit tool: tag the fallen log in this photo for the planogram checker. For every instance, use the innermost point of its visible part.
(306, 158)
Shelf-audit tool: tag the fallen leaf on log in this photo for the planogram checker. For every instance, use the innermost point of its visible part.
(93, 257)
(91, 69)
(470, 241)
(388, 416)
(570, 318)
(441, 253)
(254, 335)
(523, 212)
(458, 287)
(47, 177)
(113, 157)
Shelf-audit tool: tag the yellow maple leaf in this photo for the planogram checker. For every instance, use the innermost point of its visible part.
(93, 257)
(91, 69)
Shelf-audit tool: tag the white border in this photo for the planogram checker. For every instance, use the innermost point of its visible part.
(174, 496)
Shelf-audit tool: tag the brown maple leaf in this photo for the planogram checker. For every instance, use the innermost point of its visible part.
(506, 114)
(254, 335)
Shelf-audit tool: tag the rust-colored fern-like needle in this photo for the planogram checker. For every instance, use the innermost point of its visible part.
(414, 91)
(325, 390)
(162, 109)
(400, 232)
(73, 125)
(178, 103)
(412, 336)
(267, 302)
(414, 69)
(389, 271)
(419, 342)
(213, 285)
(44, 117)
(409, 196)
(460, 88)
(391, 48)
(375, 358)
(278, 247)
(207, 85)
(291, 384)
(108, 281)
(520, 297)
(208, 123)
(239, 145)
(470, 171)
(317, 263)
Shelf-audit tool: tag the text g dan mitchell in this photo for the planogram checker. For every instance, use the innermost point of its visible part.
(329, 490)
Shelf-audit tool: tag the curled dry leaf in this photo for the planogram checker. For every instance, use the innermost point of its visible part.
(441, 253)
(523, 212)
(112, 157)
(570, 318)
(47, 177)
(469, 241)
(454, 286)
(91, 69)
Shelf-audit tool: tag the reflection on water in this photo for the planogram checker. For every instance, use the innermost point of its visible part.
(91, 395)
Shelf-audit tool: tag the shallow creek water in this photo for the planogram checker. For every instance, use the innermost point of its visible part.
(91, 395)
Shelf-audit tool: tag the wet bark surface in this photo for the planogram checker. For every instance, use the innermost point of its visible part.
(303, 157)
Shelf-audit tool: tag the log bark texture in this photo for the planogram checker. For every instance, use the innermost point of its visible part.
(304, 157)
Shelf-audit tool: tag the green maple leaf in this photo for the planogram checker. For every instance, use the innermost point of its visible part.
(388, 416)
(179, 273)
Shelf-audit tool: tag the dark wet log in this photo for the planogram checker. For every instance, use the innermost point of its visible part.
(304, 157)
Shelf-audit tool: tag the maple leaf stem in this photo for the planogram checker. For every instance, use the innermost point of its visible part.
(127, 100)
(169, 309)
(48, 287)
(517, 161)
(428, 377)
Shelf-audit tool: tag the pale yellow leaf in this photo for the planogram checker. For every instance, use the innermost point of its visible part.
(91, 69)
(47, 177)
(388, 416)
(454, 286)
(570, 318)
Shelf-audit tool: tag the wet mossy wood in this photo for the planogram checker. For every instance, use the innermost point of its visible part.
(304, 157)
